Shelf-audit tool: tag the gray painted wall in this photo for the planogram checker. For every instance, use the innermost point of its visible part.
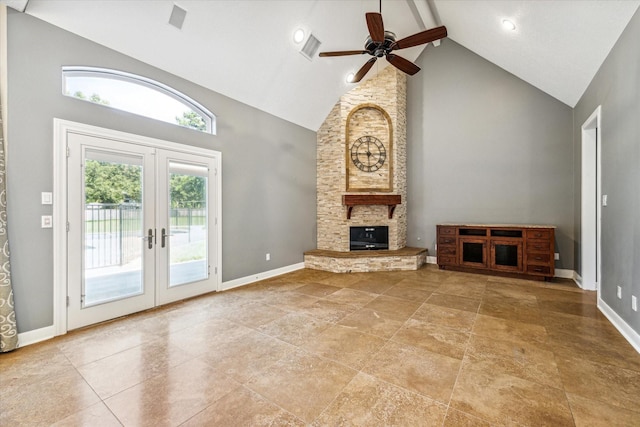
(616, 87)
(268, 194)
(484, 146)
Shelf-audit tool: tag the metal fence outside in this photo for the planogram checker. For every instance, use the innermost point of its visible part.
(113, 232)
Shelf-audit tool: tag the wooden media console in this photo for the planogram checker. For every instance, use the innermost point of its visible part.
(523, 250)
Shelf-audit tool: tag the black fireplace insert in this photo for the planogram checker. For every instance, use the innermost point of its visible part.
(369, 238)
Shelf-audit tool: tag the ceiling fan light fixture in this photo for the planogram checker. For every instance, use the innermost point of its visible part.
(508, 25)
(298, 35)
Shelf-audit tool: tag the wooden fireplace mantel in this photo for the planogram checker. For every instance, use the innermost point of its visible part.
(390, 200)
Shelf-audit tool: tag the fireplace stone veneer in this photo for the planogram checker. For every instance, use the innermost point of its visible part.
(381, 96)
(357, 262)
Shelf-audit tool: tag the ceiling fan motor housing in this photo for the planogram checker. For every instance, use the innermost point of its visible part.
(380, 49)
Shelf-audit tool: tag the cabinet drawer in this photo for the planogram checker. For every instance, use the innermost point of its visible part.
(446, 240)
(539, 234)
(446, 250)
(446, 260)
(538, 246)
(446, 231)
(538, 269)
(534, 258)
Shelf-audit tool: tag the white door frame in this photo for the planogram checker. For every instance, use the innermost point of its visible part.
(591, 206)
(61, 128)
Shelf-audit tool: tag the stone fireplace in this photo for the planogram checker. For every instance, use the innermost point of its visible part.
(361, 177)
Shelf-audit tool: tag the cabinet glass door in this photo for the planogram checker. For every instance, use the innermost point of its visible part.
(506, 255)
(473, 252)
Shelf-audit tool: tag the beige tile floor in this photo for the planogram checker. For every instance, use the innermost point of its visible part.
(427, 347)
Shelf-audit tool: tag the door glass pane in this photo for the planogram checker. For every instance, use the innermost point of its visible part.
(188, 261)
(113, 227)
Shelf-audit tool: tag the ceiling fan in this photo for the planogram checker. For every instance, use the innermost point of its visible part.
(381, 43)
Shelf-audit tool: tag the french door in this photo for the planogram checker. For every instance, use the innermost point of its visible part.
(141, 227)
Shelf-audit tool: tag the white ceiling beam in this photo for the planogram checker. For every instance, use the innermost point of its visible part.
(19, 5)
(424, 15)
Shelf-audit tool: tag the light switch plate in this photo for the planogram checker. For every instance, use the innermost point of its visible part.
(47, 198)
(604, 200)
(47, 221)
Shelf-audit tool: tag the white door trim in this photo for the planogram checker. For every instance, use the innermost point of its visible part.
(591, 202)
(60, 130)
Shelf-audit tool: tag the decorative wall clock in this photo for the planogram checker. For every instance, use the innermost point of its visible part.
(369, 150)
(368, 153)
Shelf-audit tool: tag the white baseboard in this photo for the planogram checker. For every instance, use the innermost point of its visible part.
(230, 284)
(432, 260)
(564, 274)
(35, 336)
(623, 327)
(578, 279)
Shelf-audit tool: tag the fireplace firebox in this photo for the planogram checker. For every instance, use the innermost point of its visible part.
(368, 238)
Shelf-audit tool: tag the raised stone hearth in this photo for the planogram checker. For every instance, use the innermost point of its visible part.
(361, 177)
(365, 261)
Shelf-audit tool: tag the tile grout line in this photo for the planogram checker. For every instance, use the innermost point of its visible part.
(462, 361)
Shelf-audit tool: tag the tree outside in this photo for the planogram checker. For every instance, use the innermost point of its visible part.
(192, 120)
(93, 98)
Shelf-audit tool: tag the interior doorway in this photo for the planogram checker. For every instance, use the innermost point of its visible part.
(591, 196)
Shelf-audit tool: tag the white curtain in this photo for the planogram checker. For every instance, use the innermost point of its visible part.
(8, 329)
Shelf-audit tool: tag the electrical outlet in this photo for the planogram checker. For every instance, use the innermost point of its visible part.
(46, 221)
(268, 257)
(556, 256)
(619, 292)
(634, 303)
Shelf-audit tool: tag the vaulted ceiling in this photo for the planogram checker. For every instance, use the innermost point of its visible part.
(244, 49)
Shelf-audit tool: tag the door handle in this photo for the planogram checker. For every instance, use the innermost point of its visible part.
(164, 236)
(150, 238)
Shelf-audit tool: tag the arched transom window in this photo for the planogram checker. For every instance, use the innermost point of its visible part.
(138, 95)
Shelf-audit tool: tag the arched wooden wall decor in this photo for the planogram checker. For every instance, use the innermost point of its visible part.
(369, 149)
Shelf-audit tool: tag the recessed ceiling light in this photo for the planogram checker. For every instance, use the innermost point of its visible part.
(298, 35)
(508, 25)
(350, 77)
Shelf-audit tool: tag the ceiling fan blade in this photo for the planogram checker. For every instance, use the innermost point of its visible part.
(421, 38)
(376, 26)
(343, 53)
(402, 64)
(364, 70)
